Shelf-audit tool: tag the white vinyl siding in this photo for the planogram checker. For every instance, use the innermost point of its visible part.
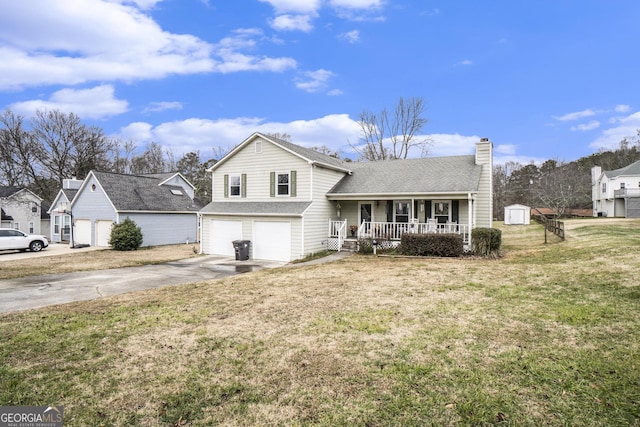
(258, 168)
(165, 228)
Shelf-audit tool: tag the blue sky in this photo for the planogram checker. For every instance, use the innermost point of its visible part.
(544, 79)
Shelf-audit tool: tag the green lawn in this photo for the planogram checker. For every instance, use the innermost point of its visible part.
(545, 335)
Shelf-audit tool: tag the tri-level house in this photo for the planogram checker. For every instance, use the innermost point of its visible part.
(290, 201)
(616, 193)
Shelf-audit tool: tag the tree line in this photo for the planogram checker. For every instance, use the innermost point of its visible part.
(555, 184)
(39, 153)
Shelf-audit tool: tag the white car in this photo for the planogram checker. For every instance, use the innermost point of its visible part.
(11, 239)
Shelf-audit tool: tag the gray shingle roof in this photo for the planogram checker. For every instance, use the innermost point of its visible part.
(142, 193)
(257, 208)
(632, 169)
(418, 176)
(308, 153)
(6, 191)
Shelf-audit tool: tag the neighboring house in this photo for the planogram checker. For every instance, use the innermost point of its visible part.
(517, 215)
(162, 205)
(21, 209)
(616, 193)
(60, 211)
(290, 201)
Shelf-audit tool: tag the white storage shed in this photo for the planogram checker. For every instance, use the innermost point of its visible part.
(517, 215)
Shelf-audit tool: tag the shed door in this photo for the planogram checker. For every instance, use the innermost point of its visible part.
(103, 232)
(82, 232)
(272, 240)
(223, 232)
(516, 216)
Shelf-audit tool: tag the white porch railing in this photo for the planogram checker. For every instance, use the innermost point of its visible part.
(395, 230)
(337, 234)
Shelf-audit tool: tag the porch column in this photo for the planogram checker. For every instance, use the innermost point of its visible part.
(471, 216)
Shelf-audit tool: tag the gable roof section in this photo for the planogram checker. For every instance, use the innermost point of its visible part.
(9, 191)
(632, 169)
(130, 193)
(432, 175)
(306, 154)
(164, 177)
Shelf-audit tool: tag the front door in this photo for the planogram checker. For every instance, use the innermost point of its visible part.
(365, 215)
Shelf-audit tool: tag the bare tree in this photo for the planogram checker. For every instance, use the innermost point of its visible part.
(16, 151)
(392, 135)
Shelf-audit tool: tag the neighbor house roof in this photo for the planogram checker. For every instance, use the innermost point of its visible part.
(632, 169)
(143, 193)
(454, 174)
(8, 191)
(257, 208)
(307, 154)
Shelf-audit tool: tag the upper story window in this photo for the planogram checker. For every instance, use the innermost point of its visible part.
(283, 184)
(258, 146)
(234, 185)
(622, 185)
(604, 187)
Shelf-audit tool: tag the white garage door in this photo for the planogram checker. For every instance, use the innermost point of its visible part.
(103, 232)
(82, 232)
(272, 240)
(222, 234)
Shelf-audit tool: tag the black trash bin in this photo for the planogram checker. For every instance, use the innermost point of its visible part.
(242, 249)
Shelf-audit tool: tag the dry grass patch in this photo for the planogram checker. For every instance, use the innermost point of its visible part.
(362, 341)
(94, 260)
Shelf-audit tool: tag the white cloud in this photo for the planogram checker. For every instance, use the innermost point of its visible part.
(465, 62)
(593, 124)
(57, 42)
(622, 108)
(351, 36)
(95, 103)
(155, 107)
(295, 6)
(313, 81)
(610, 138)
(335, 92)
(452, 144)
(292, 23)
(576, 115)
(203, 134)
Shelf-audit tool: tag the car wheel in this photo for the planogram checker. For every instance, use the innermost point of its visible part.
(35, 246)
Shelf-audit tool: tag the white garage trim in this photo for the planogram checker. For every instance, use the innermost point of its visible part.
(222, 233)
(272, 240)
(103, 232)
(82, 232)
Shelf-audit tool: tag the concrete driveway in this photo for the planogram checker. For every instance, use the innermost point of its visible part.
(40, 291)
(52, 249)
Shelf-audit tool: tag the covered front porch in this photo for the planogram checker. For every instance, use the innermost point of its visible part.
(387, 220)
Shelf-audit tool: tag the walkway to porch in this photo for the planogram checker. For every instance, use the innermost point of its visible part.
(390, 231)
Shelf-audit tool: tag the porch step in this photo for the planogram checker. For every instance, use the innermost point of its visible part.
(350, 246)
